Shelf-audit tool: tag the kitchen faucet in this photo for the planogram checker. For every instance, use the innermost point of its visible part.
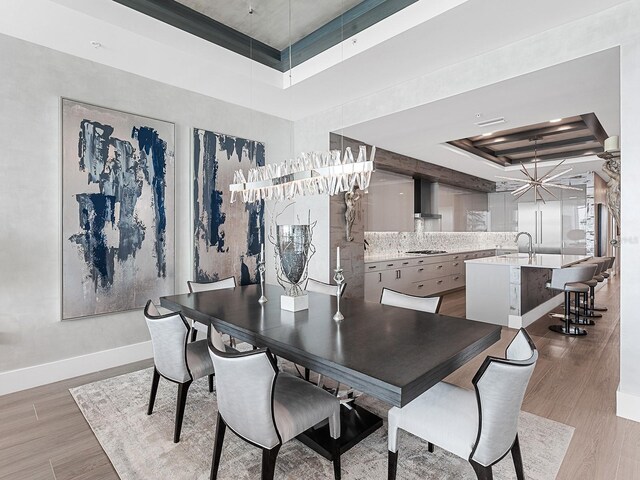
(531, 253)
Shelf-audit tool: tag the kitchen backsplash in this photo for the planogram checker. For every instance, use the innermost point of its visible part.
(391, 243)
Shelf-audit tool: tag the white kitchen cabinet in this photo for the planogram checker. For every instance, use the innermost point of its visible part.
(423, 276)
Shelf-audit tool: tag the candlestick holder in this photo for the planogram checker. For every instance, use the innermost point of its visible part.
(339, 279)
(261, 270)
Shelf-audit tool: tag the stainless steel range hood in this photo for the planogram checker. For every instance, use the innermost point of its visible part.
(425, 200)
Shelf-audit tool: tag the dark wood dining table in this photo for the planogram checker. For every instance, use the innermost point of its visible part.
(393, 354)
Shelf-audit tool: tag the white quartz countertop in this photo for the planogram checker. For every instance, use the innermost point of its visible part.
(543, 260)
(403, 256)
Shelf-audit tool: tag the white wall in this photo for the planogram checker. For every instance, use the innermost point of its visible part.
(629, 257)
(32, 81)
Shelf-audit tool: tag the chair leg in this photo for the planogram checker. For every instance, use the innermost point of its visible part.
(336, 459)
(269, 462)
(517, 459)
(221, 427)
(154, 390)
(183, 389)
(482, 472)
(392, 465)
(194, 334)
(306, 374)
(211, 383)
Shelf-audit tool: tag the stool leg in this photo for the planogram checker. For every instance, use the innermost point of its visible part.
(567, 329)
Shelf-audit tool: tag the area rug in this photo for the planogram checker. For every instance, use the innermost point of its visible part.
(140, 447)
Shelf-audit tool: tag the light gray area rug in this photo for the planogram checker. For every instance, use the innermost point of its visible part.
(141, 447)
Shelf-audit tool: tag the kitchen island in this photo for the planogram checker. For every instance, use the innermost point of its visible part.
(511, 289)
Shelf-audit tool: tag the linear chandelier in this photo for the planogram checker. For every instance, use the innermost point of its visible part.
(310, 174)
(535, 183)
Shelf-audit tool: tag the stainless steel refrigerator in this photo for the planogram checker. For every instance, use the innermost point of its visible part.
(544, 222)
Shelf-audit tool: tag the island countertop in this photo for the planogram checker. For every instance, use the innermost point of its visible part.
(543, 260)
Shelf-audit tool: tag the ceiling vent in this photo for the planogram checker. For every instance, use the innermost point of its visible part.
(493, 121)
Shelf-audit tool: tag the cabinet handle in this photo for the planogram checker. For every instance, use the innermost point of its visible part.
(439, 282)
(399, 273)
(456, 264)
(373, 266)
(389, 264)
(420, 261)
(420, 269)
(456, 257)
(421, 285)
(379, 277)
(456, 278)
(439, 267)
(405, 263)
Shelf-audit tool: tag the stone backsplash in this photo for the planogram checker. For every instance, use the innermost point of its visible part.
(391, 243)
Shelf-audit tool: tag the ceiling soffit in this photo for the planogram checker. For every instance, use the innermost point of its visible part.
(201, 22)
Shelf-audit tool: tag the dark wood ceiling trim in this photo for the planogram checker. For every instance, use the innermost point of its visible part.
(184, 18)
(594, 125)
(470, 147)
(354, 21)
(546, 146)
(572, 154)
(412, 167)
(527, 134)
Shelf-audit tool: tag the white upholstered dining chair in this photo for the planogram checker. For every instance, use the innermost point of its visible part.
(175, 359)
(412, 302)
(480, 425)
(326, 288)
(194, 287)
(266, 407)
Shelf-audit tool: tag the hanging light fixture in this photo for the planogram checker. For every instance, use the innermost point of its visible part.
(538, 184)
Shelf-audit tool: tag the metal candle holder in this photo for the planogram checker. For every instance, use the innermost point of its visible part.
(339, 279)
(261, 270)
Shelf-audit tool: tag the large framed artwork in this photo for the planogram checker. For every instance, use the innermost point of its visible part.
(227, 237)
(118, 200)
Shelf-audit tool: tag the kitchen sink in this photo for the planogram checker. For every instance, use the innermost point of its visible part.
(515, 255)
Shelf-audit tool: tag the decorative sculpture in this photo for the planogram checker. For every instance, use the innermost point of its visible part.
(350, 200)
(612, 168)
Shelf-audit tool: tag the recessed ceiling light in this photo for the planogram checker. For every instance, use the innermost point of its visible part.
(555, 120)
(401, 193)
(487, 134)
(95, 44)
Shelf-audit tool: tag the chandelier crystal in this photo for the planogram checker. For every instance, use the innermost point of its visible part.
(309, 174)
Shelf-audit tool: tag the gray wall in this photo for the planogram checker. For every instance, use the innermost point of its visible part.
(32, 81)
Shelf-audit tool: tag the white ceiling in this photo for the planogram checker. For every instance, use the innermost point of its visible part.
(588, 84)
(272, 22)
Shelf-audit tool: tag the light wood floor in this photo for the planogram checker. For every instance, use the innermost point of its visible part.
(43, 435)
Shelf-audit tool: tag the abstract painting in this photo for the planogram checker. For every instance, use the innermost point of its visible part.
(227, 236)
(117, 210)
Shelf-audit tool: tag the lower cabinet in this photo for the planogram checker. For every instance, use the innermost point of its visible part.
(422, 276)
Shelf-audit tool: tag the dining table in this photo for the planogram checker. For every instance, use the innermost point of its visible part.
(390, 353)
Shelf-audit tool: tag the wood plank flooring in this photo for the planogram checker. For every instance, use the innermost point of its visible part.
(43, 435)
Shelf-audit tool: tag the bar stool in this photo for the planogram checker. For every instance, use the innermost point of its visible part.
(586, 312)
(608, 265)
(569, 280)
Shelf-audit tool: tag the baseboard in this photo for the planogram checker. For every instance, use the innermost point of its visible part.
(29, 377)
(627, 405)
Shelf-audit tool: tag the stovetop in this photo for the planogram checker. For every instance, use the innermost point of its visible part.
(427, 252)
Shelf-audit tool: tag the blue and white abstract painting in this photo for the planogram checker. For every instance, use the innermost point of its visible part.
(118, 210)
(227, 236)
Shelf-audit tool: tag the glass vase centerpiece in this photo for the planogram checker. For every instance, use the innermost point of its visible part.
(293, 250)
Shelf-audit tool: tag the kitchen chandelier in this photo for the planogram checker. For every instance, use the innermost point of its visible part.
(535, 183)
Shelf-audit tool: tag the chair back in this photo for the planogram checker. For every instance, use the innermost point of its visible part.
(169, 340)
(245, 386)
(579, 273)
(500, 386)
(218, 285)
(412, 302)
(326, 288)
